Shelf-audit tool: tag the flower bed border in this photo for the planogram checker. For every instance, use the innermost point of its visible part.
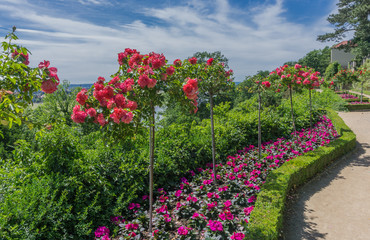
(358, 107)
(266, 220)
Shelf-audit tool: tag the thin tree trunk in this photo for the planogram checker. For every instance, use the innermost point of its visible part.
(362, 87)
(259, 123)
(291, 109)
(309, 90)
(151, 151)
(213, 138)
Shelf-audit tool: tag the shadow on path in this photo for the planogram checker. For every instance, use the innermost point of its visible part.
(297, 225)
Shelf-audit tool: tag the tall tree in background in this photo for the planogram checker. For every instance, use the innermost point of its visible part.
(353, 15)
(317, 59)
(218, 56)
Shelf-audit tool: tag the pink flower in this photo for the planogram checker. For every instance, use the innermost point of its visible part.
(266, 83)
(49, 86)
(44, 64)
(248, 210)
(162, 209)
(193, 60)
(132, 226)
(132, 234)
(183, 230)
(131, 105)
(228, 203)
(101, 119)
(238, 236)
(105, 237)
(215, 225)
(177, 63)
(178, 193)
(211, 205)
(195, 215)
(210, 61)
(101, 231)
(152, 82)
(78, 116)
(252, 199)
(81, 96)
(170, 70)
(91, 112)
(143, 80)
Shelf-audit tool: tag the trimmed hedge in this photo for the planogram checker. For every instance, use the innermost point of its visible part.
(267, 218)
(357, 107)
(364, 99)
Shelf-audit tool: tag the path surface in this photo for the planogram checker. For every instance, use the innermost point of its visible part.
(336, 203)
(359, 93)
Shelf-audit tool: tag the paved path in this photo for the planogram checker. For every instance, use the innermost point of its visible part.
(336, 203)
(359, 93)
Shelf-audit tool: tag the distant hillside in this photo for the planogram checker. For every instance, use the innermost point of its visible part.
(86, 85)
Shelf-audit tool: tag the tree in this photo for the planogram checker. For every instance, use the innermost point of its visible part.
(331, 70)
(316, 59)
(202, 57)
(58, 106)
(18, 81)
(290, 63)
(352, 16)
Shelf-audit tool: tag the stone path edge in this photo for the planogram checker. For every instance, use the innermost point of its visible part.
(266, 221)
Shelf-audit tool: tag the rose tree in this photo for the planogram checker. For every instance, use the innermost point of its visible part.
(121, 104)
(18, 81)
(212, 78)
(295, 77)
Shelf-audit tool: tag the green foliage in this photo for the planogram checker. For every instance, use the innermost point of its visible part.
(57, 107)
(331, 70)
(353, 15)
(204, 56)
(316, 59)
(69, 181)
(271, 200)
(17, 81)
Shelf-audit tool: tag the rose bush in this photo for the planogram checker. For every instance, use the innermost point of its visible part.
(18, 81)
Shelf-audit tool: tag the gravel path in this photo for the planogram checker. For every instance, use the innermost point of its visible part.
(336, 203)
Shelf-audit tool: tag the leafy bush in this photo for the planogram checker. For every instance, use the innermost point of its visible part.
(72, 180)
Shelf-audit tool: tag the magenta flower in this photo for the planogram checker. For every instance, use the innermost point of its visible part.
(183, 230)
(238, 236)
(178, 193)
(248, 210)
(215, 225)
(101, 231)
(252, 199)
(228, 203)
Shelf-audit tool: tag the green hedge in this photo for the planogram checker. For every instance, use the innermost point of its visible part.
(364, 99)
(267, 218)
(355, 107)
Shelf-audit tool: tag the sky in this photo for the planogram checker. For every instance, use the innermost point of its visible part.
(83, 37)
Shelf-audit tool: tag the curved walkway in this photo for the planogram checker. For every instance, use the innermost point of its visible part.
(336, 203)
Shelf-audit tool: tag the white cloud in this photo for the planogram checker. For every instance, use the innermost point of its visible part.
(82, 51)
(95, 2)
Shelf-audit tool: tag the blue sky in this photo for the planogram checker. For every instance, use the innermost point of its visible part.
(82, 37)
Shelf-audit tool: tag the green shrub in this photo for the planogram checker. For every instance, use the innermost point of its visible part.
(267, 218)
(71, 180)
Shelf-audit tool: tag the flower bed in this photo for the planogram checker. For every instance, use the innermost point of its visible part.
(348, 96)
(267, 219)
(358, 102)
(201, 208)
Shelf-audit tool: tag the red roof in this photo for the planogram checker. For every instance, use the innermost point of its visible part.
(342, 44)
